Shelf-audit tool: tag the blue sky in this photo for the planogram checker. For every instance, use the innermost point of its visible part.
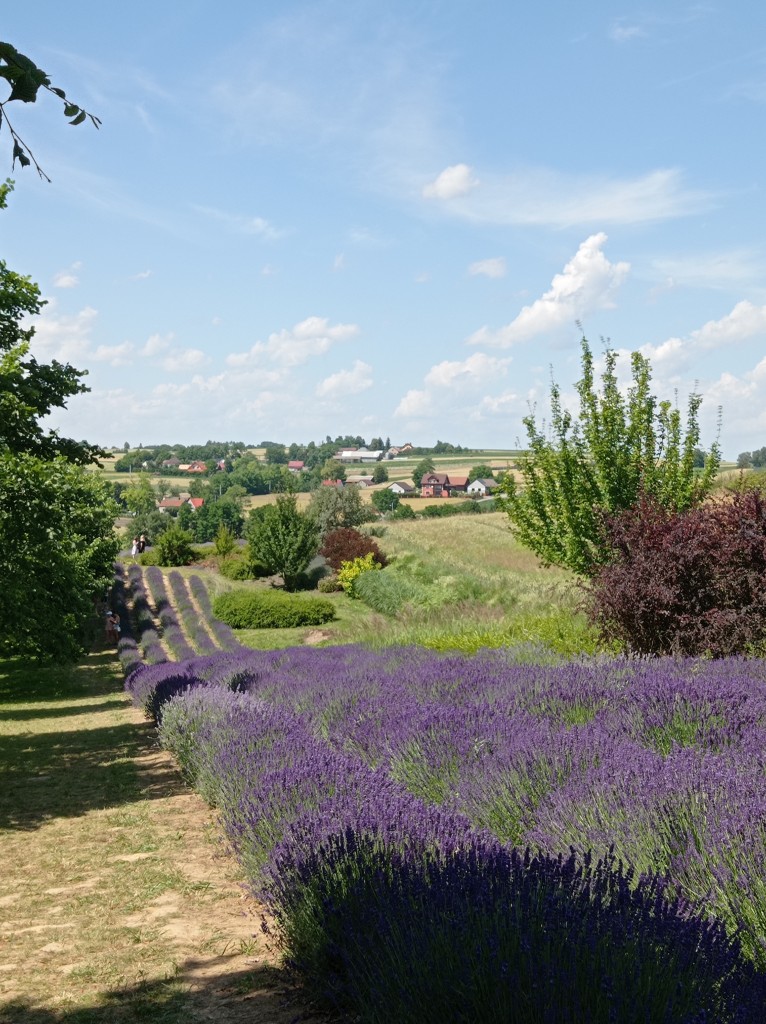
(302, 219)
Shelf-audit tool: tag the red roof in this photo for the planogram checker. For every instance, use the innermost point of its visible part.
(196, 502)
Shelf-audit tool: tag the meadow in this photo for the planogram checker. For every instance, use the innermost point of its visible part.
(444, 803)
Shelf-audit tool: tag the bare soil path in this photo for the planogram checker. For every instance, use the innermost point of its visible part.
(118, 901)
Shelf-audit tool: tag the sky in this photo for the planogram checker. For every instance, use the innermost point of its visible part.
(394, 220)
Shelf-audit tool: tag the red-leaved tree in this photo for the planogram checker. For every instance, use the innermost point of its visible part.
(688, 583)
(346, 544)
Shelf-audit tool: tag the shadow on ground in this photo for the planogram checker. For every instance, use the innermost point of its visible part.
(256, 996)
(47, 772)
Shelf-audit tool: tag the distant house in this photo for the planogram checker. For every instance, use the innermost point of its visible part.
(170, 504)
(401, 487)
(196, 503)
(295, 465)
(171, 463)
(434, 485)
(360, 481)
(193, 467)
(359, 455)
(333, 483)
(458, 484)
(482, 487)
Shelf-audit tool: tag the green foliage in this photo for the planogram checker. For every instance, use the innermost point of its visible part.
(140, 496)
(283, 539)
(379, 474)
(332, 508)
(385, 500)
(30, 390)
(350, 572)
(57, 550)
(616, 450)
(252, 609)
(481, 472)
(403, 511)
(225, 541)
(26, 80)
(329, 585)
(240, 567)
(426, 465)
(174, 547)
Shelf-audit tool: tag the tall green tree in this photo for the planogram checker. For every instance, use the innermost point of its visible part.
(619, 448)
(426, 465)
(57, 550)
(29, 390)
(283, 539)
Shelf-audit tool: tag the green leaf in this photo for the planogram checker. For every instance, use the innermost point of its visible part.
(80, 118)
(71, 110)
(25, 88)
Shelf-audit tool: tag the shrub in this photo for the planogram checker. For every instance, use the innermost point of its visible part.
(346, 544)
(174, 547)
(240, 567)
(349, 572)
(329, 585)
(249, 609)
(684, 583)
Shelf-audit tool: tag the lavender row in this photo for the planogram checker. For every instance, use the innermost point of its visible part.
(193, 623)
(223, 634)
(172, 633)
(127, 649)
(663, 760)
(148, 638)
(393, 908)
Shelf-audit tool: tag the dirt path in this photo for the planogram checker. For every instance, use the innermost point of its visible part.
(119, 902)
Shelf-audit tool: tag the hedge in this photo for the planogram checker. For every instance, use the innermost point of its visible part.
(250, 609)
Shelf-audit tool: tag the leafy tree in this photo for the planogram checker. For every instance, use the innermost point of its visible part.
(57, 550)
(276, 454)
(759, 458)
(379, 474)
(332, 508)
(481, 472)
(619, 449)
(30, 390)
(331, 469)
(225, 541)
(283, 539)
(174, 547)
(140, 497)
(26, 80)
(345, 545)
(425, 465)
(385, 500)
(744, 460)
(699, 458)
(685, 583)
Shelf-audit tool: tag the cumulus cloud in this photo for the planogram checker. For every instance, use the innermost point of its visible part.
(588, 282)
(460, 379)
(156, 344)
(179, 360)
(67, 278)
(453, 182)
(346, 383)
(63, 337)
(745, 321)
(311, 337)
(114, 355)
(494, 267)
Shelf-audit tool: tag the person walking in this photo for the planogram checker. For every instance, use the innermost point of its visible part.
(141, 544)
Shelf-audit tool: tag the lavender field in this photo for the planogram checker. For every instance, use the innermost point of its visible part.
(382, 803)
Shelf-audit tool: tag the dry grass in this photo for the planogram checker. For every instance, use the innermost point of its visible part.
(118, 902)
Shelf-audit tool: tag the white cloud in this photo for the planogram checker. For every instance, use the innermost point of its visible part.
(719, 270)
(115, 355)
(141, 275)
(63, 337)
(311, 337)
(339, 262)
(476, 370)
(180, 359)
(453, 182)
(588, 282)
(156, 344)
(745, 321)
(346, 383)
(621, 32)
(494, 267)
(457, 379)
(67, 278)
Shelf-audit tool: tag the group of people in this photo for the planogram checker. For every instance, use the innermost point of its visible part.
(139, 546)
